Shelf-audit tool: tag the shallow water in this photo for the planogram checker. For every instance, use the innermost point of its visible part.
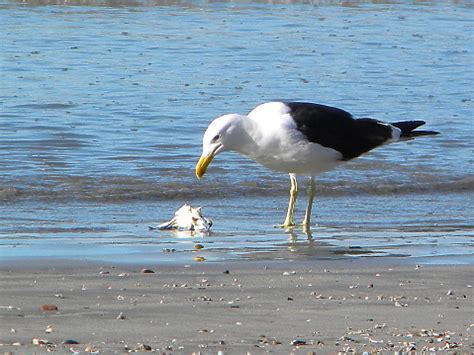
(103, 105)
(358, 226)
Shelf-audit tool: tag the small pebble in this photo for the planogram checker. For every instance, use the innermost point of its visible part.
(298, 342)
(147, 271)
(198, 246)
(49, 308)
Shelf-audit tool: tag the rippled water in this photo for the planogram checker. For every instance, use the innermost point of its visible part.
(103, 105)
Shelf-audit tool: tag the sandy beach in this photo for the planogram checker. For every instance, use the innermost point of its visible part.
(243, 307)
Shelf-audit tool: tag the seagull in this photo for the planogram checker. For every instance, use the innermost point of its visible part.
(300, 138)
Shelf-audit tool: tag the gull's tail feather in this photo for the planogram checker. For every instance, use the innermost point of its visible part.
(408, 129)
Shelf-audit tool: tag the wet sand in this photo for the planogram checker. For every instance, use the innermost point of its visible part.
(239, 307)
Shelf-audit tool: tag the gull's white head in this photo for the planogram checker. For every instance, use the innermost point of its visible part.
(222, 134)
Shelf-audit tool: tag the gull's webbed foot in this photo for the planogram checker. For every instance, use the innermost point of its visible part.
(285, 225)
(306, 229)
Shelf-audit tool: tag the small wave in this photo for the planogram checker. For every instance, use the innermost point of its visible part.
(9, 194)
(51, 106)
(51, 230)
(115, 190)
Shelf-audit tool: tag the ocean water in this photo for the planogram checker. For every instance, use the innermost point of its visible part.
(103, 105)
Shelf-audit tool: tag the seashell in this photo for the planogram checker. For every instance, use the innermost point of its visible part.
(89, 348)
(187, 218)
(121, 316)
(38, 341)
(143, 347)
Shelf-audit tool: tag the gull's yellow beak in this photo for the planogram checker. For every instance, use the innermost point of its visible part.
(202, 164)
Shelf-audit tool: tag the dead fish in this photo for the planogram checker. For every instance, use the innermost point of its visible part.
(187, 218)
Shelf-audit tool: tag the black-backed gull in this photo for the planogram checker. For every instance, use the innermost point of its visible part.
(300, 138)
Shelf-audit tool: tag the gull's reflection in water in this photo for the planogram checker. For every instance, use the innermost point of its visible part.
(304, 246)
(293, 236)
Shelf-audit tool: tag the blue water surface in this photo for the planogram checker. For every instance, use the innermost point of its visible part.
(103, 105)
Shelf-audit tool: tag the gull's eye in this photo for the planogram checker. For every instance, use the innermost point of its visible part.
(216, 138)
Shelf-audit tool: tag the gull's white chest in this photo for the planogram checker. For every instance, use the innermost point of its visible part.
(280, 146)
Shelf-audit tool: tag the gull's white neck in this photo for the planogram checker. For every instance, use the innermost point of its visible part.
(260, 140)
(245, 135)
